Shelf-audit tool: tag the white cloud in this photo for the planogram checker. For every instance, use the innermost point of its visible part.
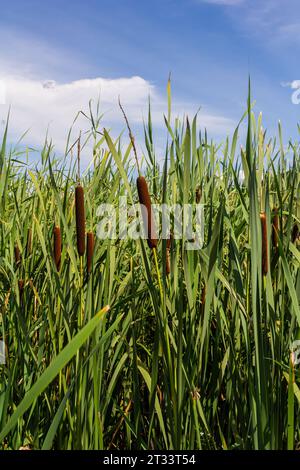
(37, 105)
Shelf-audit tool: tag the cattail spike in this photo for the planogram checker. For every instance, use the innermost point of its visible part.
(168, 257)
(57, 247)
(168, 263)
(198, 195)
(80, 219)
(17, 253)
(21, 285)
(147, 212)
(169, 241)
(90, 243)
(264, 235)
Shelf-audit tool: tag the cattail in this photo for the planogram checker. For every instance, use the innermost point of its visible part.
(168, 261)
(80, 219)
(29, 242)
(168, 264)
(57, 247)
(18, 257)
(90, 243)
(295, 233)
(264, 235)
(147, 213)
(169, 241)
(21, 285)
(275, 230)
(198, 194)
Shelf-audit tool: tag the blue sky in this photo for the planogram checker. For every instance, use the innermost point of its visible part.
(128, 47)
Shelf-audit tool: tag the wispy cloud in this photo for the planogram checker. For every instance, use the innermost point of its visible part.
(289, 31)
(274, 20)
(24, 54)
(223, 2)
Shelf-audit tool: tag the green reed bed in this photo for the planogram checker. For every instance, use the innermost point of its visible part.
(111, 344)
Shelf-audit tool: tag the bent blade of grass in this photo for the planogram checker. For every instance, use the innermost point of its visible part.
(55, 423)
(289, 281)
(51, 372)
(146, 376)
(119, 163)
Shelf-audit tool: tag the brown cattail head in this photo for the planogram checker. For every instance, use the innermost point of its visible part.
(295, 233)
(21, 285)
(275, 230)
(168, 259)
(168, 263)
(57, 247)
(18, 257)
(169, 241)
(80, 219)
(147, 212)
(29, 242)
(264, 236)
(198, 194)
(90, 243)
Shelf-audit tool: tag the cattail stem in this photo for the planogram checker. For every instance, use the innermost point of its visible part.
(90, 243)
(57, 247)
(80, 219)
(147, 213)
(78, 156)
(158, 274)
(81, 294)
(130, 137)
(29, 242)
(275, 230)
(264, 235)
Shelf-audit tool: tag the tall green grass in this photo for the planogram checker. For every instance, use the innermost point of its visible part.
(197, 359)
